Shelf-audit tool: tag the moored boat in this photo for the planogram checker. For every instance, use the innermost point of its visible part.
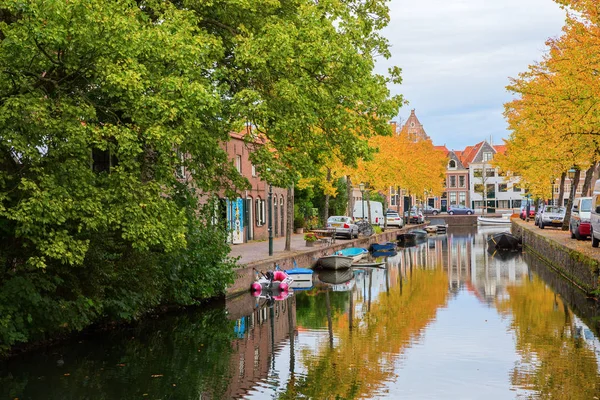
(389, 253)
(355, 252)
(406, 239)
(493, 221)
(420, 234)
(335, 277)
(335, 261)
(300, 274)
(503, 241)
(383, 246)
(369, 264)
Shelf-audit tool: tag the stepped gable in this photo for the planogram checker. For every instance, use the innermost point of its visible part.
(414, 128)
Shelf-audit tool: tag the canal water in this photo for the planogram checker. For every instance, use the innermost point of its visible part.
(444, 320)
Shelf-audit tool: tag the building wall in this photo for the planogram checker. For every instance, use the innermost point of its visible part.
(257, 195)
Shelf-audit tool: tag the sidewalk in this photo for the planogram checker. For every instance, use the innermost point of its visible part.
(259, 250)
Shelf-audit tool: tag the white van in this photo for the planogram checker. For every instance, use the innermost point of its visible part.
(595, 216)
(377, 216)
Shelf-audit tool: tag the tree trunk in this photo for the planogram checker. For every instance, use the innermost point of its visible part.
(574, 183)
(290, 218)
(384, 211)
(326, 205)
(398, 199)
(561, 191)
(369, 205)
(349, 191)
(587, 183)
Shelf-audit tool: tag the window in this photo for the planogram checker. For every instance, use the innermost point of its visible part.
(253, 170)
(462, 198)
(452, 164)
(461, 181)
(477, 173)
(452, 181)
(491, 190)
(478, 204)
(478, 188)
(516, 203)
(452, 197)
(503, 204)
(516, 187)
(503, 188)
(490, 173)
(487, 156)
(238, 163)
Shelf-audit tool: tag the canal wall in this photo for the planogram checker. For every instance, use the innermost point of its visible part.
(572, 259)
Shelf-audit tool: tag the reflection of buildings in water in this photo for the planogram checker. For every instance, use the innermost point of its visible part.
(259, 335)
(462, 253)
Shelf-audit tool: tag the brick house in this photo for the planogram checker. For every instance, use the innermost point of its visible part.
(247, 215)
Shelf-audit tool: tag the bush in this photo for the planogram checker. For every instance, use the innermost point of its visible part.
(299, 222)
(377, 229)
(310, 237)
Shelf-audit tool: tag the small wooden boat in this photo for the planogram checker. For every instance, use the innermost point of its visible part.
(377, 254)
(335, 261)
(431, 229)
(335, 277)
(383, 246)
(406, 239)
(493, 221)
(300, 274)
(420, 234)
(369, 264)
(355, 252)
(503, 241)
(502, 254)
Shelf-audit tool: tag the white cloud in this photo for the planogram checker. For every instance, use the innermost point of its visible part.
(457, 56)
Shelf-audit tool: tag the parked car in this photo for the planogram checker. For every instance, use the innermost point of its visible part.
(595, 215)
(343, 225)
(460, 209)
(579, 224)
(394, 219)
(523, 213)
(430, 210)
(550, 216)
(416, 216)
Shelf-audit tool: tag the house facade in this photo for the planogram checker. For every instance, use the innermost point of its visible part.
(247, 216)
(457, 182)
(491, 189)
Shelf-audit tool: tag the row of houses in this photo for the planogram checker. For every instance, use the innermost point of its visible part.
(470, 180)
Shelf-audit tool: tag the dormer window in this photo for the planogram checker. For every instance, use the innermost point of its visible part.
(487, 156)
(452, 164)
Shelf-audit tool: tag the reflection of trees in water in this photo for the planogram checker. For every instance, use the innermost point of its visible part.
(364, 356)
(555, 363)
(185, 356)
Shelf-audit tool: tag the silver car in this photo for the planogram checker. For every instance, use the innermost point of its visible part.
(344, 226)
(550, 216)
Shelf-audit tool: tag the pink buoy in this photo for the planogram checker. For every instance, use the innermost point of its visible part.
(256, 287)
(284, 287)
(279, 276)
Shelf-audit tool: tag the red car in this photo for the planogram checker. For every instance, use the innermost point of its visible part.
(523, 214)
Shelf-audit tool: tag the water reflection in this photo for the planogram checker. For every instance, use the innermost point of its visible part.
(444, 319)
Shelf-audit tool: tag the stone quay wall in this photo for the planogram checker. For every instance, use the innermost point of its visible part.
(577, 267)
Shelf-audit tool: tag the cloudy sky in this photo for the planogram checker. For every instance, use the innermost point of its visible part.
(457, 56)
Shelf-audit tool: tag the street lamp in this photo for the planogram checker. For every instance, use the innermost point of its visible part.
(270, 219)
(361, 186)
